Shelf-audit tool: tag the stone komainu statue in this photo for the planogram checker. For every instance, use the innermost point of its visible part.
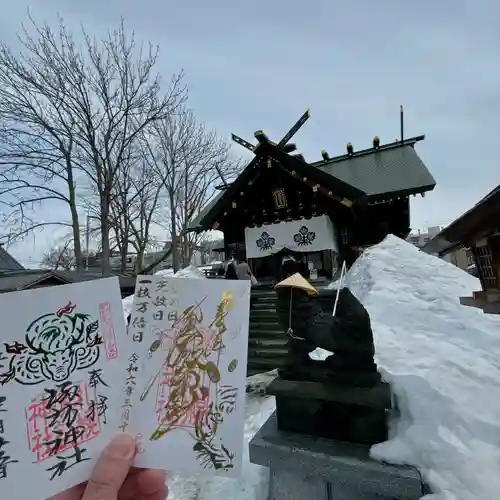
(348, 334)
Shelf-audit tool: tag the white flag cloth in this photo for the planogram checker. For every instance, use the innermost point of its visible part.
(303, 235)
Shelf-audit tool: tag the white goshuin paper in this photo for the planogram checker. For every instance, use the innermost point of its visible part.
(53, 339)
(191, 390)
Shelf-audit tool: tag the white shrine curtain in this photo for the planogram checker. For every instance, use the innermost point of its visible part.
(304, 235)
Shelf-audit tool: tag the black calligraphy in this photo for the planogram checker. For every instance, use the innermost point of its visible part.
(143, 292)
(161, 285)
(98, 407)
(95, 378)
(158, 315)
(142, 307)
(160, 301)
(5, 458)
(138, 322)
(130, 386)
(66, 462)
(68, 423)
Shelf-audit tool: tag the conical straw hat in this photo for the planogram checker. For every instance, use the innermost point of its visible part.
(297, 281)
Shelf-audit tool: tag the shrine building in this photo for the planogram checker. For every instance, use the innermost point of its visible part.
(322, 212)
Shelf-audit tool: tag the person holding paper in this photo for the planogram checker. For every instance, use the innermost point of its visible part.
(113, 477)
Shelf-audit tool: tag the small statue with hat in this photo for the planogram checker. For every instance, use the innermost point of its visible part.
(341, 397)
(347, 334)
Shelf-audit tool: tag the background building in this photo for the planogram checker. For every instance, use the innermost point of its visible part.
(479, 230)
(461, 257)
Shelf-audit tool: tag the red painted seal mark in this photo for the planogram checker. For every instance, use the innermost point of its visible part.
(57, 423)
(108, 330)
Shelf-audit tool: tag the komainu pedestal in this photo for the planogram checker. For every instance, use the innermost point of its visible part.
(353, 414)
(307, 467)
(343, 396)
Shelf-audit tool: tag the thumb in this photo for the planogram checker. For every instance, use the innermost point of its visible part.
(111, 469)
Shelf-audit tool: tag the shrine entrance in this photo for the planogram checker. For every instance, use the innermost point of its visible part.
(311, 242)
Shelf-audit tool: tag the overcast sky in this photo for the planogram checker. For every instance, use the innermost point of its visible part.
(259, 65)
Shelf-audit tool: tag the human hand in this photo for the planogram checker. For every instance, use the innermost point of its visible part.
(114, 478)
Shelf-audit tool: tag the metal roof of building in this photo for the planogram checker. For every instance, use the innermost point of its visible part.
(11, 281)
(388, 171)
(19, 280)
(7, 262)
(482, 219)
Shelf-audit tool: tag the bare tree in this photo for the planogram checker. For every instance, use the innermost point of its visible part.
(189, 160)
(60, 257)
(101, 97)
(137, 206)
(37, 141)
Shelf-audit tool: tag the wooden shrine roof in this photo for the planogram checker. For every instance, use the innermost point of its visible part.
(479, 221)
(394, 170)
(388, 171)
(288, 162)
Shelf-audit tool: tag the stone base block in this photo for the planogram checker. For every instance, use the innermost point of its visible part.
(306, 467)
(353, 414)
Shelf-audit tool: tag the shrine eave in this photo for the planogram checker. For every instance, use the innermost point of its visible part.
(482, 219)
(374, 175)
(389, 171)
(294, 166)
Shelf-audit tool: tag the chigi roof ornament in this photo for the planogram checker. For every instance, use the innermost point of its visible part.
(284, 144)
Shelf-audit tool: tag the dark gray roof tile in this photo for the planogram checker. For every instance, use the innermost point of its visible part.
(19, 280)
(7, 262)
(387, 171)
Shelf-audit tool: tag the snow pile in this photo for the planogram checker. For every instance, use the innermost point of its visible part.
(443, 361)
(191, 272)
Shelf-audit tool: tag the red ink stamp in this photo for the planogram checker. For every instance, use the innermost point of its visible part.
(60, 419)
(164, 415)
(108, 330)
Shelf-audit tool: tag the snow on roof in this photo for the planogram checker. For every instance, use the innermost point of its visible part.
(442, 359)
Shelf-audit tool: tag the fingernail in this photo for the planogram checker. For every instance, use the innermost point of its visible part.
(122, 446)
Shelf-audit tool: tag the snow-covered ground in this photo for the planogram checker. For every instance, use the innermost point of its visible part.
(443, 360)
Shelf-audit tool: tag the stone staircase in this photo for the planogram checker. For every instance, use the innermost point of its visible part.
(266, 340)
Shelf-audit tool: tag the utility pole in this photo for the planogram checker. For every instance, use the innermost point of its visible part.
(87, 242)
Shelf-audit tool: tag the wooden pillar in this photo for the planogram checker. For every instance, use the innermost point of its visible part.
(484, 264)
(494, 243)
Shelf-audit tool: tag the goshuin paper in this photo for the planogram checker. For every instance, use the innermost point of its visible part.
(61, 352)
(190, 340)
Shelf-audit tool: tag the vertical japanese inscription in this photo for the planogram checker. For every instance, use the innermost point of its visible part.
(130, 386)
(138, 322)
(59, 421)
(5, 459)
